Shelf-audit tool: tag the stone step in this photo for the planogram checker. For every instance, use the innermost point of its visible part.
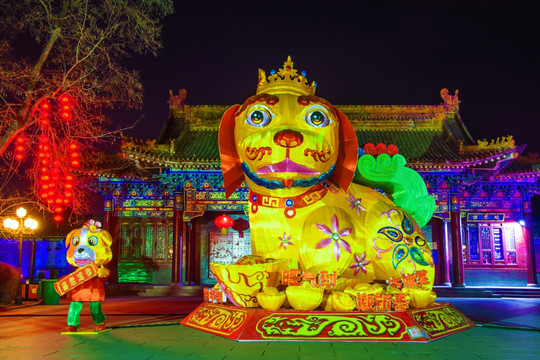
(153, 290)
(494, 292)
(518, 292)
(463, 292)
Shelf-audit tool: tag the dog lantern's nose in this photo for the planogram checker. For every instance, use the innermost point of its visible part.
(288, 138)
(80, 250)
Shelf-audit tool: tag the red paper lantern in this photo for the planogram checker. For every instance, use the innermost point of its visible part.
(224, 222)
(240, 225)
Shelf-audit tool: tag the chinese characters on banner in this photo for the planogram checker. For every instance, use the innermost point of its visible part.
(409, 280)
(71, 281)
(365, 302)
(382, 302)
(214, 296)
(323, 279)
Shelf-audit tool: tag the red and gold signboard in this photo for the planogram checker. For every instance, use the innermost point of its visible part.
(221, 320)
(440, 321)
(30, 291)
(256, 324)
(76, 278)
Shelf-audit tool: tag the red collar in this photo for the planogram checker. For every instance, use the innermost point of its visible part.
(290, 204)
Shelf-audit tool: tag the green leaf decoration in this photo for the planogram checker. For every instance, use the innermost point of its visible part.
(417, 256)
(405, 186)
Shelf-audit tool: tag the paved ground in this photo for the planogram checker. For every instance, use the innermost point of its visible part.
(147, 328)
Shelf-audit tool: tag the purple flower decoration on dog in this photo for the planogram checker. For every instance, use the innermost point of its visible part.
(285, 240)
(355, 203)
(360, 264)
(335, 237)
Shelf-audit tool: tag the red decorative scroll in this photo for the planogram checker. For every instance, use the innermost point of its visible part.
(76, 278)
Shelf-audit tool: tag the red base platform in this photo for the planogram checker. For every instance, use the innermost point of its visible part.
(256, 324)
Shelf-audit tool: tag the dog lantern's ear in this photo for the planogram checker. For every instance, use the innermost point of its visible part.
(70, 236)
(106, 237)
(348, 153)
(231, 166)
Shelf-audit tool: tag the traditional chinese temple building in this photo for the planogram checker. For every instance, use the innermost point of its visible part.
(162, 196)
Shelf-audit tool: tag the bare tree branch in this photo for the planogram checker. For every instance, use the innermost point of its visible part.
(78, 48)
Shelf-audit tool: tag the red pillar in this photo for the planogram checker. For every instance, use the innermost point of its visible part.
(439, 244)
(110, 224)
(455, 231)
(529, 244)
(108, 214)
(177, 247)
(191, 252)
(446, 258)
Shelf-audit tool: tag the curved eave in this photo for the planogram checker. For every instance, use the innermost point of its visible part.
(173, 163)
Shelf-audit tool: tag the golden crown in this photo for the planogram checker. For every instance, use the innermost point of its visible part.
(286, 80)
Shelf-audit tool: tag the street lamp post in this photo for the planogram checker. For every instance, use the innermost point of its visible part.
(19, 227)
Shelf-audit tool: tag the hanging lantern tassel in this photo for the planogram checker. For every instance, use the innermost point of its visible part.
(224, 222)
(240, 225)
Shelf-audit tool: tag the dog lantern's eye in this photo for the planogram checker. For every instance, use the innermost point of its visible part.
(75, 241)
(92, 241)
(258, 118)
(317, 119)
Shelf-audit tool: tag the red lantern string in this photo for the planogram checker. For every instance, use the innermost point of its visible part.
(65, 108)
(73, 154)
(55, 155)
(20, 148)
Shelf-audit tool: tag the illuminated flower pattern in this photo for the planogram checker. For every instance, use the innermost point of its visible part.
(405, 243)
(285, 240)
(360, 264)
(355, 203)
(335, 237)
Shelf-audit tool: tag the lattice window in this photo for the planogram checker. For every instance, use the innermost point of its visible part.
(125, 241)
(170, 243)
(160, 242)
(491, 244)
(510, 244)
(485, 241)
(148, 240)
(137, 241)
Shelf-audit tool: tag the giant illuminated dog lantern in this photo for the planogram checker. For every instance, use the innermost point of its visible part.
(298, 155)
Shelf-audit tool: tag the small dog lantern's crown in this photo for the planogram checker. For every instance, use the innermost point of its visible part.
(286, 80)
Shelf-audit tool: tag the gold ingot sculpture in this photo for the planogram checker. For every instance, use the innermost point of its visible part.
(420, 297)
(304, 297)
(271, 299)
(241, 283)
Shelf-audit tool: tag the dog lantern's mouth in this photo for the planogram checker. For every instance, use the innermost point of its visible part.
(82, 262)
(287, 166)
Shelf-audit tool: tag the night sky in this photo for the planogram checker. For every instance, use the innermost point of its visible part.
(358, 55)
